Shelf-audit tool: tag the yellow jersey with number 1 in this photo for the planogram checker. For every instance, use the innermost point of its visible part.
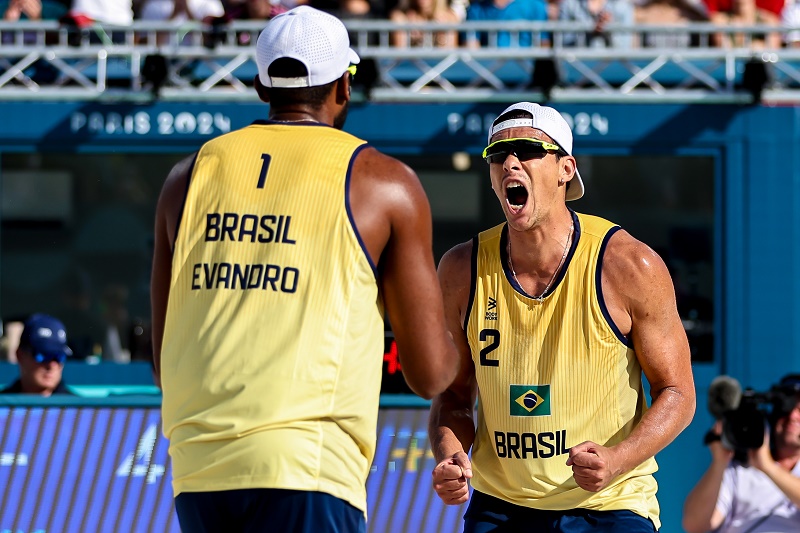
(271, 361)
(552, 373)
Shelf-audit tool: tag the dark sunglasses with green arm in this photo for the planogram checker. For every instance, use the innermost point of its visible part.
(523, 149)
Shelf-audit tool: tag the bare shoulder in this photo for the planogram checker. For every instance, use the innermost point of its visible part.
(457, 261)
(455, 274)
(387, 182)
(178, 179)
(378, 166)
(630, 265)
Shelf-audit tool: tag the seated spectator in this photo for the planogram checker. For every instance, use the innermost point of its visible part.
(666, 13)
(790, 16)
(84, 13)
(745, 13)
(206, 11)
(253, 10)
(41, 354)
(424, 11)
(181, 10)
(351, 9)
(600, 13)
(505, 10)
(34, 10)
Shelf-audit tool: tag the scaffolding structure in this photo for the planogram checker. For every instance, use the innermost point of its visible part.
(189, 61)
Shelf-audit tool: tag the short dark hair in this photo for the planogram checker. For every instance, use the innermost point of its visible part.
(286, 67)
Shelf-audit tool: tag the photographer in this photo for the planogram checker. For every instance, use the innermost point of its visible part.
(756, 489)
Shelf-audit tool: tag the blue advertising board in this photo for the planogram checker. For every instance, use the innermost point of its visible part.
(104, 469)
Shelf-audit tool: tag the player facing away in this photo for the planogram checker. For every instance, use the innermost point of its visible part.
(277, 248)
(556, 314)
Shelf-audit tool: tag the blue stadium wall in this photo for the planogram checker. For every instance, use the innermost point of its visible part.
(756, 150)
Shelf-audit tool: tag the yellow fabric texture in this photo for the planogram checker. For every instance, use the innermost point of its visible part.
(271, 361)
(552, 373)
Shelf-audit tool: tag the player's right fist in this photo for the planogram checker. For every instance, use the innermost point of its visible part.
(450, 479)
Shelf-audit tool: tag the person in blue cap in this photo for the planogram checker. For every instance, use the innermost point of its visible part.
(41, 355)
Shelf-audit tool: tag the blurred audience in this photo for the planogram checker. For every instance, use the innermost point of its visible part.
(41, 354)
(505, 10)
(744, 13)
(669, 12)
(599, 13)
(181, 10)
(424, 11)
(790, 16)
(84, 13)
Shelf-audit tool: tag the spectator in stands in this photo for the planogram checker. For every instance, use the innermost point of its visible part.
(744, 13)
(253, 10)
(599, 13)
(506, 10)
(181, 10)
(790, 16)
(352, 9)
(14, 10)
(672, 13)
(87, 12)
(41, 354)
(424, 11)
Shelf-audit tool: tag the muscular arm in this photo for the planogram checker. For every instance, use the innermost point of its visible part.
(451, 426)
(170, 203)
(641, 299)
(392, 215)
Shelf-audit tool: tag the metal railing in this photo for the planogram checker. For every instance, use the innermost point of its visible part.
(193, 61)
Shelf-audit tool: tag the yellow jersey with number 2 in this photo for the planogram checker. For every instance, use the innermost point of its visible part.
(552, 373)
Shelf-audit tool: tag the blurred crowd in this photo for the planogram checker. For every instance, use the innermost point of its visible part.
(598, 13)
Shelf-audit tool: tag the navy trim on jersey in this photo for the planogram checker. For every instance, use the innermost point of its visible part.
(262, 122)
(563, 272)
(598, 283)
(350, 212)
(473, 270)
(190, 172)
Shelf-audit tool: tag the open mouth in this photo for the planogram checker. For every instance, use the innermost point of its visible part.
(516, 195)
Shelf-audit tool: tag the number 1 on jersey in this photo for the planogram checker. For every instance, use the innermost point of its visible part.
(265, 158)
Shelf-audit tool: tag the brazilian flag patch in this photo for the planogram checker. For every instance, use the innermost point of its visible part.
(530, 400)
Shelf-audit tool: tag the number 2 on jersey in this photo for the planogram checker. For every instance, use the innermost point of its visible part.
(495, 336)
(265, 159)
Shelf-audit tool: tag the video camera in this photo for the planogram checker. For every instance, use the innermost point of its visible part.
(746, 414)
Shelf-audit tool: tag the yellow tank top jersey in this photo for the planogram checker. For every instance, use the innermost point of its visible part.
(552, 373)
(271, 361)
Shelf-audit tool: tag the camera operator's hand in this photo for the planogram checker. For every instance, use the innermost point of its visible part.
(719, 453)
(761, 458)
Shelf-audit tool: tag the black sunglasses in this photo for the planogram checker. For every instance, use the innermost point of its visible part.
(523, 149)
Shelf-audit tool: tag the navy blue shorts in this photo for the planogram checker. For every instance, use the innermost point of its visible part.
(267, 510)
(487, 514)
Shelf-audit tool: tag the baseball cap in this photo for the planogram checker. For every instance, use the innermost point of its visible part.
(316, 39)
(46, 336)
(550, 122)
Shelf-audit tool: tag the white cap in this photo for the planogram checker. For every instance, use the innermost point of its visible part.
(550, 122)
(315, 38)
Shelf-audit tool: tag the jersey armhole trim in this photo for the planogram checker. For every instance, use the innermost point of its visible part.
(473, 277)
(598, 282)
(189, 173)
(350, 211)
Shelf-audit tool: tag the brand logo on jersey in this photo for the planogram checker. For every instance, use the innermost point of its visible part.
(530, 400)
(491, 306)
